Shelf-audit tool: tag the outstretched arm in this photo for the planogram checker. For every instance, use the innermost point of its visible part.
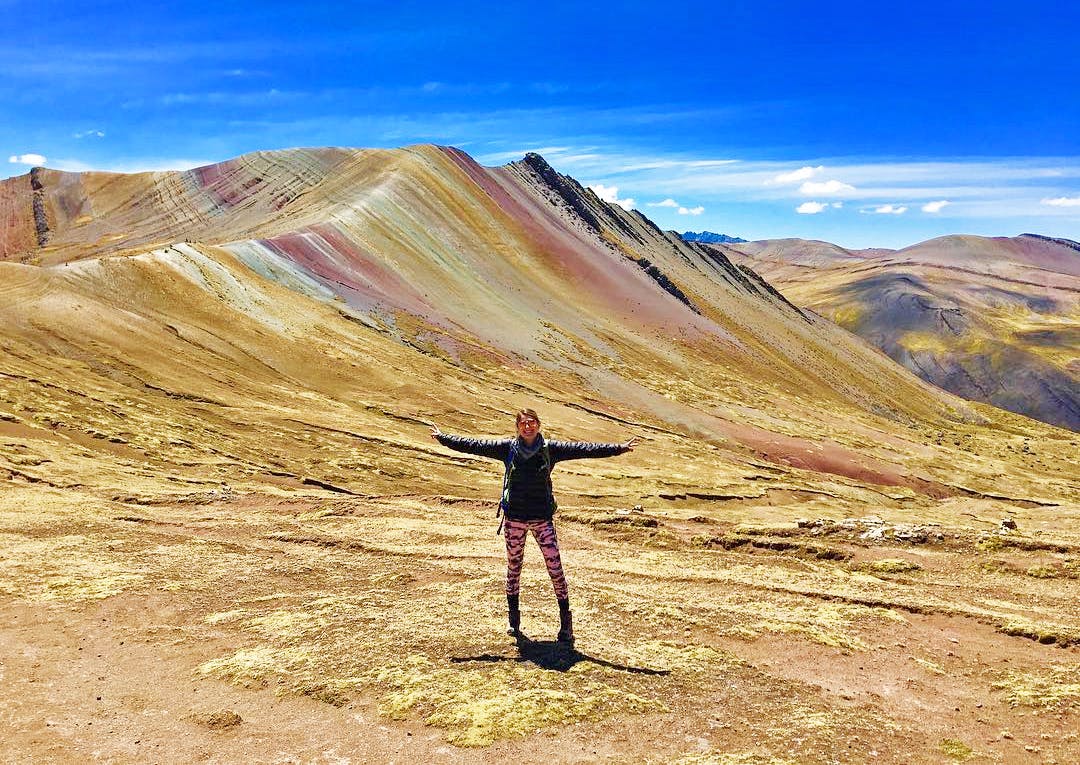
(575, 450)
(496, 449)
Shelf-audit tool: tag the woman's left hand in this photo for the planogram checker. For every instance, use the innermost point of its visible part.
(629, 445)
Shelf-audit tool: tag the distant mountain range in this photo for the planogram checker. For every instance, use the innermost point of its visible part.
(989, 319)
(708, 237)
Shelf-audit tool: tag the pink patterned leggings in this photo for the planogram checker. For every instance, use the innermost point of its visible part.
(516, 532)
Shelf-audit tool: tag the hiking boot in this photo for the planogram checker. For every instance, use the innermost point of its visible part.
(514, 615)
(566, 624)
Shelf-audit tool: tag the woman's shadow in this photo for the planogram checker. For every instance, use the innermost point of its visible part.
(549, 654)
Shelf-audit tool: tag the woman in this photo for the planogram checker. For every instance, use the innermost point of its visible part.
(528, 503)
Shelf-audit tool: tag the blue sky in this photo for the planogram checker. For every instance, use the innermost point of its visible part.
(865, 124)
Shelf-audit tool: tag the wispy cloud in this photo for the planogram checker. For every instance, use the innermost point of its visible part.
(935, 207)
(577, 159)
(558, 154)
(245, 73)
(811, 208)
(691, 210)
(669, 202)
(251, 98)
(462, 88)
(1005, 188)
(925, 182)
(610, 194)
(143, 165)
(89, 134)
(675, 164)
(814, 188)
(27, 159)
(802, 174)
(886, 210)
(1062, 202)
(1013, 184)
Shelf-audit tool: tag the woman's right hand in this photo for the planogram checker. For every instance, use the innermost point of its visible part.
(435, 432)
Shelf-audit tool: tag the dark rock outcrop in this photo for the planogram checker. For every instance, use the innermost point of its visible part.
(41, 217)
(665, 283)
(569, 190)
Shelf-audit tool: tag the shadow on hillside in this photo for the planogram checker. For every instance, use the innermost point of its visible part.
(548, 654)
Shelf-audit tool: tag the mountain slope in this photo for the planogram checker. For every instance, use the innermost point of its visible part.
(517, 267)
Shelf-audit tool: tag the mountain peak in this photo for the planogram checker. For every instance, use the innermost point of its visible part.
(708, 237)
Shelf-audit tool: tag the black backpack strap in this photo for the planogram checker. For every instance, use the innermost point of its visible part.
(546, 455)
(504, 500)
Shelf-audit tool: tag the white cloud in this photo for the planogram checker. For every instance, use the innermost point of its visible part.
(544, 151)
(811, 208)
(637, 165)
(811, 188)
(610, 194)
(934, 207)
(252, 98)
(89, 134)
(669, 202)
(802, 174)
(244, 73)
(1063, 202)
(886, 210)
(148, 164)
(26, 159)
(837, 205)
(570, 159)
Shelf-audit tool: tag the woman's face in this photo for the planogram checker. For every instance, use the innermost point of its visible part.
(528, 428)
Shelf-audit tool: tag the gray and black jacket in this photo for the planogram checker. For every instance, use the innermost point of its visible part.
(529, 496)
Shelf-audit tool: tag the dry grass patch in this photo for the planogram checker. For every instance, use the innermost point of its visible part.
(68, 567)
(956, 750)
(732, 758)
(256, 666)
(931, 666)
(480, 699)
(1043, 572)
(892, 566)
(1044, 632)
(1055, 688)
(478, 705)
